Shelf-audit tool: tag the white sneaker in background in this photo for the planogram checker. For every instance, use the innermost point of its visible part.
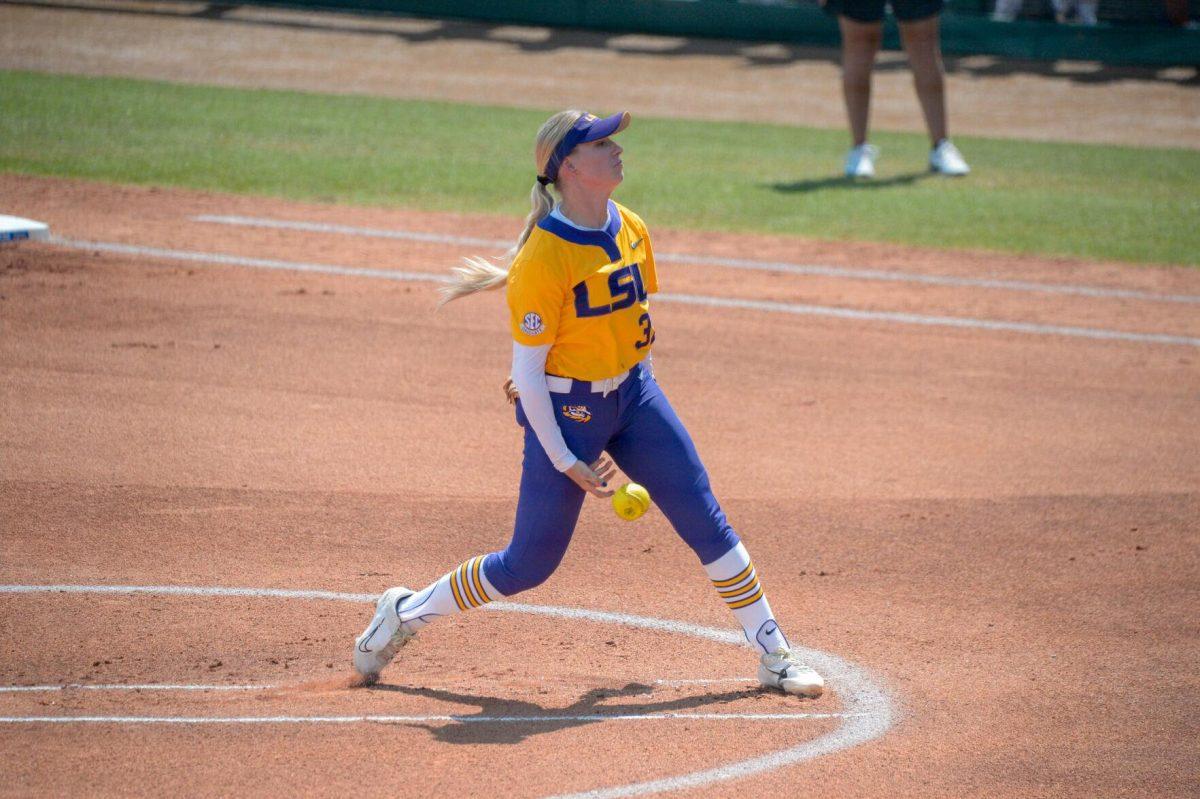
(945, 159)
(860, 161)
(376, 647)
(783, 670)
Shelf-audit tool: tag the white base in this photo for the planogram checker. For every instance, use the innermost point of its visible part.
(14, 228)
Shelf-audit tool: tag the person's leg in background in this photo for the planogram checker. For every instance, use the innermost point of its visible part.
(1087, 11)
(1177, 13)
(860, 44)
(1007, 10)
(922, 45)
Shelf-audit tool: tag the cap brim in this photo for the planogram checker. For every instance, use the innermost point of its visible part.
(609, 126)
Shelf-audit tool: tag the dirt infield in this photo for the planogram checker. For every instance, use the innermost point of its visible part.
(231, 45)
(999, 526)
(969, 480)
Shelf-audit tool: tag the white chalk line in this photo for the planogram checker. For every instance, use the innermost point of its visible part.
(936, 321)
(705, 682)
(686, 299)
(813, 270)
(867, 711)
(80, 686)
(187, 590)
(255, 263)
(387, 719)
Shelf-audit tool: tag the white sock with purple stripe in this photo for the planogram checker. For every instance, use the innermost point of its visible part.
(462, 589)
(736, 581)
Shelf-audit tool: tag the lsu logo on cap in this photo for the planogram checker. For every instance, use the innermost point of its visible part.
(532, 324)
(577, 413)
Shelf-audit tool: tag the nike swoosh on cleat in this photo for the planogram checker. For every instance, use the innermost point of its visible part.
(368, 637)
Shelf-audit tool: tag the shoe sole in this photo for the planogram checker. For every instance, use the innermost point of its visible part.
(813, 692)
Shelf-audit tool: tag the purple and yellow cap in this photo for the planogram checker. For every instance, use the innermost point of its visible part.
(588, 128)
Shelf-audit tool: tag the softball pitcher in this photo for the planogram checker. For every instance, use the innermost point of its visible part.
(578, 287)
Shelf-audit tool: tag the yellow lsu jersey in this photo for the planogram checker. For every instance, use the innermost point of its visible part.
(586, 293)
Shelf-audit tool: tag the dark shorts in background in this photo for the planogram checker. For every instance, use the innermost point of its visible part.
(872, 10)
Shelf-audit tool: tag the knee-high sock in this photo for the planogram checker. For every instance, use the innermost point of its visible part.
(737, 584)
(462, 589)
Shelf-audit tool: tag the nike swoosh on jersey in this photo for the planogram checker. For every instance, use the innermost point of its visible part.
(634, 246)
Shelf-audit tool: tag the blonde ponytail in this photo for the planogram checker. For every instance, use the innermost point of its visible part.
(483, 274)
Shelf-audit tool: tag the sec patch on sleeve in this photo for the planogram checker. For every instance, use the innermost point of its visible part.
(532, 325)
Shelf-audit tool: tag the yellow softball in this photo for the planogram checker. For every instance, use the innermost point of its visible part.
(630, 501)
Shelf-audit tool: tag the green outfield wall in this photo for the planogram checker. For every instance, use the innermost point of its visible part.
(966, 28)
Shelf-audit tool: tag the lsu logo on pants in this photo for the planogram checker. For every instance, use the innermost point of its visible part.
(577, 413)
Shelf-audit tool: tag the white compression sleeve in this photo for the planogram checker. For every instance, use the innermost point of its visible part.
(529, 377)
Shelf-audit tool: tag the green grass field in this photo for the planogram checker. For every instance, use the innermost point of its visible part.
(1122, 203)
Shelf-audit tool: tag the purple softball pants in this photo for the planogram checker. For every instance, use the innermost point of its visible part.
(637, 426)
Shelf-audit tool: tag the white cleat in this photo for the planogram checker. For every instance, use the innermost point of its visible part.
(945, 159)
(860, 161)
(783, 670)
(376, 647)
